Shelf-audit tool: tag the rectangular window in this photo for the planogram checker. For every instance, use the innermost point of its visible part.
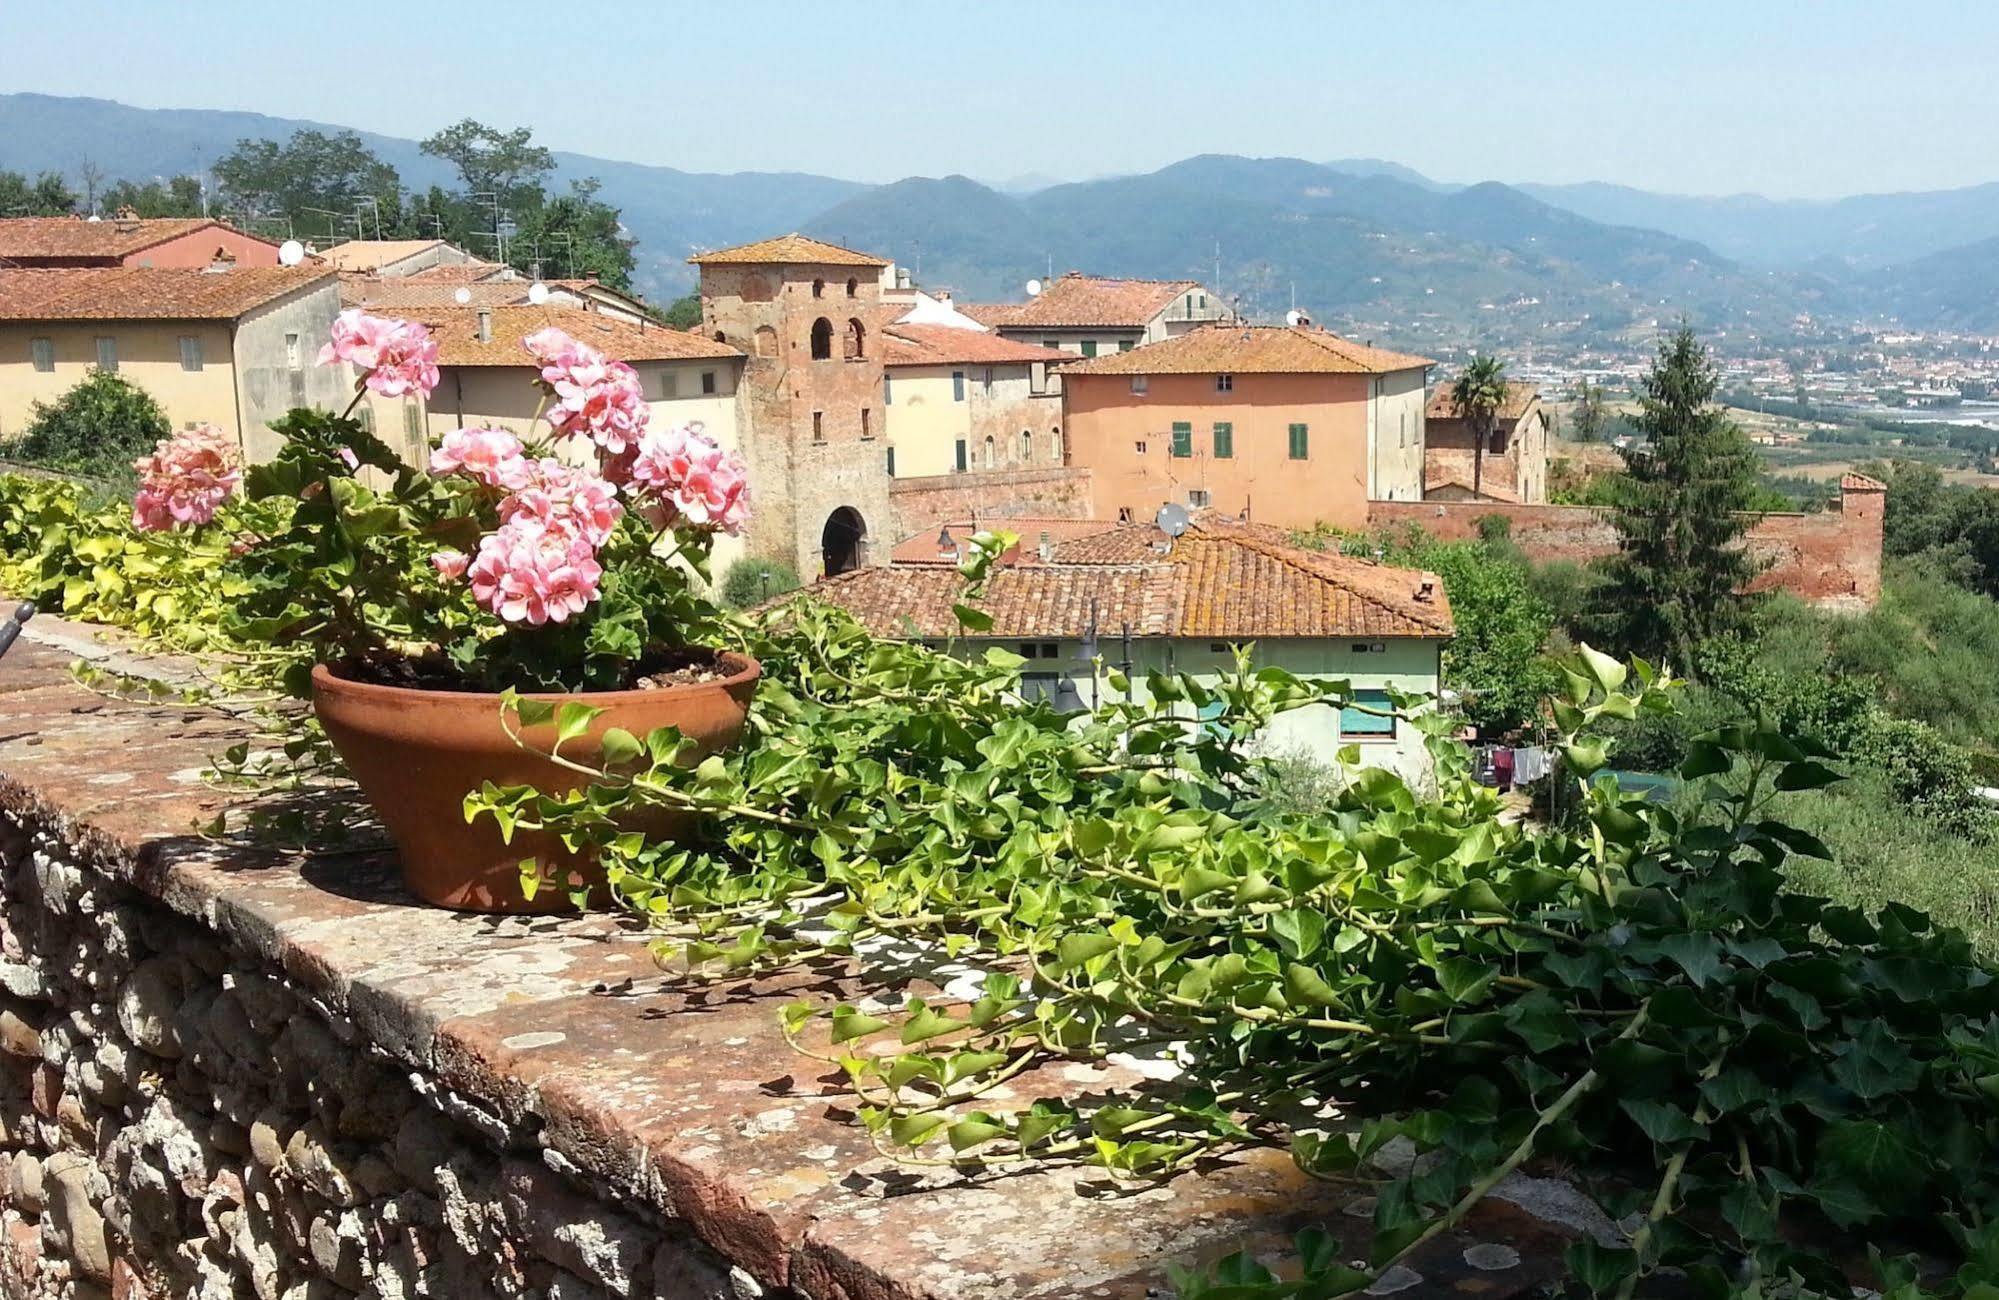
(963, 460)
(1224, 440)
(1139, 446)
(989, 381)
(190, 352)
(294, 357)
(867, 424)
(1368, 726)
(1139, 384)
(1124, 345)
(708, 382)
(957, 385)
(1183, 439)
(413, 425)
(1204, 300)
(891, 462)
(819, 426)
(44, 353)
(1225, 383)
(1301, 445)
(888, 390)
(107, 354)
(1089, 347)
(669, 384)
(1052, 344)
(1198, 498)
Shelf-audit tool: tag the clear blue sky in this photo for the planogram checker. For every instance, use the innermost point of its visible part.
(1784, 97)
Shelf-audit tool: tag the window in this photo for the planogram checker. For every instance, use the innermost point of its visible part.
(822, 339)
(413, 426)
(1368, 726)
(867, 424)
(1139, 446)
(853, 286)
(855, 345)
(107, 354)
(1089, 347)
(957, 385)
(818, 288)
(1124, 345)
(1055, 445)
(1037, 650)
(963, 459)
(294, 359)
(1183, 439)
(1139, 384)
(891, 462)
(1198, 498)
(44, 353)
(819, 426)
(888, 390)
(708, 382)
(1224, 440)
(1204, 300)
(669, 384)
(1026, 446)
(992, 452)
(1225, 383)
(190, 352)
(989, 381)
(1300, 442)
(1051, 344)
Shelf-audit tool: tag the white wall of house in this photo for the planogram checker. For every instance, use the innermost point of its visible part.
(1395, 436)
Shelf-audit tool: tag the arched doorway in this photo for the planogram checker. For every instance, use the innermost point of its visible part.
(843, 542)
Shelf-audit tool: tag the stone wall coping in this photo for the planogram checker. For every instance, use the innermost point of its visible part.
(684, 1100)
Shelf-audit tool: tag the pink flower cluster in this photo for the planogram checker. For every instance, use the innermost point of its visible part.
(532, 571)
(186, 479)
(400, 356)
(493, 456)
(704, 486)
(591, 395)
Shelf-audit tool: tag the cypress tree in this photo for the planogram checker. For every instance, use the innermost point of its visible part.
(1681, 568)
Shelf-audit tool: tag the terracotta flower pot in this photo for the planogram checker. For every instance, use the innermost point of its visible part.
(417, 753)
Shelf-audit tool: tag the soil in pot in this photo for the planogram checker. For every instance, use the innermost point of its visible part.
(416, 750)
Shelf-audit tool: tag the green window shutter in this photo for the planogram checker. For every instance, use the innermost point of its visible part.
(1224, 440)
(961, 456)
(1089, 347)
(1300, 442)
(891, 462)
(1183, 439)
(957, 385)
(1353, 722)
(1124, 345)
(888, 390)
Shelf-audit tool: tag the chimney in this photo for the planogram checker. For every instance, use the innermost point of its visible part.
(1426, 591)
(1046, 548)
(223, 261)
(485, 325)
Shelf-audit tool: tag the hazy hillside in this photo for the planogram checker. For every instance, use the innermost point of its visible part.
(672, 212)
(1954, 289)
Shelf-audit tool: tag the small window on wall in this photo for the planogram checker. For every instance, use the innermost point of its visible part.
(190, 352)
(1139, 384)
(1055, 445)
(963, 457)
(1139, 446)
(1301, 447)
(294, 358)
(888, 390)
(1199, 498)
(708, 382)
(1052, 344)
(819, 426)
(1224, 440)
(957, 385)
(1183, 439)
(891, 462)
(1089, 347)
(1225, 383)
(43, 352)
(669, 384)
(1026, 446)
(107, 354)
(413, 427)
(992, 452)
(1124, 345)
(1358, 724)
(867, 424)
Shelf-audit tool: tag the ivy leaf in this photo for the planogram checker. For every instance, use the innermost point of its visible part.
(915, 1130)
(1599, 1268)
(1808, 775)
(1298, 931)
(619, 746)
(926, 1023)
(1699, 955)
(1874, 1065)
(1541, 1021)
(1662, 1121)
(1464, 980)
(1869, 1153)
(1734, 1089)
(1753, 1218)
(850, 1024)
(572, 719)
(975, 620)
(1307, 985)
(974, 1130)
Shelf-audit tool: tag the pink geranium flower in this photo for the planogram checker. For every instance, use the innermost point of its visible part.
(530, 571)
(564, 495)
(450, 565)
(493, 456)
(703, 485)
(398, 356)
(186, 479)
(591, 395)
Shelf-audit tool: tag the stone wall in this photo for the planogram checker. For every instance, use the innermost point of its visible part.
(1832, 558)
(180, 1118)
(1051, 492)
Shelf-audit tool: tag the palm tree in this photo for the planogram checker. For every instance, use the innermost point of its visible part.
(1479, 393)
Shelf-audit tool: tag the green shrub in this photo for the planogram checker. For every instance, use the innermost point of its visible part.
(95, 429)
(750, 581)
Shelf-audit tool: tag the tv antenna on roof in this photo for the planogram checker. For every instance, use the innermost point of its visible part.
(1172, 519)
(1034, 288)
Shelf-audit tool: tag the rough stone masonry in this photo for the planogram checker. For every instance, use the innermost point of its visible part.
(230, 1071)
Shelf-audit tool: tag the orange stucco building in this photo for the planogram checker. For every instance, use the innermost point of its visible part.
(187, 242)
(1290, 426)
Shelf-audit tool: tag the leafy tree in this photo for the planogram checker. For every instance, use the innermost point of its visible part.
(48, 195)
(576, 235)
(745, 584)
(507, 164)
(178, 197)
(1680, 567)
(96, 428)
(1588, 415)
(683, 313)
(313, 170)
(1479, 393)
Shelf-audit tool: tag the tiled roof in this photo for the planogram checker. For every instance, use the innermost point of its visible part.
(1518, 398)
(1250, 350)
(921, 547)
(939, 345)
(789, 250)
(24, 238)
(1076, 301)
(149, 293)
(1491, 487)
(374, 254)
(1851, 482)
(413, 293)
(458, 272)
(1219, 580)
(457, 331)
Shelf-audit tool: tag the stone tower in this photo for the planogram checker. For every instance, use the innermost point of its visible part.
(810, 405)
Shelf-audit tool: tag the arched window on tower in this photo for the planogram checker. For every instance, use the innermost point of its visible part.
(853, 286)
(822, 339)
(1055, 445)
(857, 340)
(766, 341)
(818, 288)
(991, 452)
(1026, 446)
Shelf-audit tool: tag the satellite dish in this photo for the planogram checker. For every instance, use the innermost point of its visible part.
(537, 293)
(1172, 519)
(1034, 288)
(291, 253)
(95, 217)
(1292, 317)
(462, 297)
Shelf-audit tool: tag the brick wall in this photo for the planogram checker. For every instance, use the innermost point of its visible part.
(1051, 492)
(1832, 559)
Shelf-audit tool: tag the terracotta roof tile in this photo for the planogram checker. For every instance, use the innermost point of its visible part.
(1220, 580)
(1249, 350)
(414, 293)
(1851, 482)
(1519, 397)
(921, 546)
(789, 250)
(25, 238)
(374, 254)
(1077, 301)
(1458, 476)
(149, 293)
(457, 330)
(459, 272)
(939, 345)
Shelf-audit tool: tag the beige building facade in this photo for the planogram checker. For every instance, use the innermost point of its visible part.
(958, 400)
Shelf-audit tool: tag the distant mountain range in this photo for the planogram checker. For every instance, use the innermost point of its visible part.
(1367, 243)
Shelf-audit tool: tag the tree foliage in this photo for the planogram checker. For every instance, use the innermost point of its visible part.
(47, 195)
(178, 196)
(97, 428)
(1680, 569)
(1479, 393)
(333, 172)
(1589, 413)
(505, 164)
